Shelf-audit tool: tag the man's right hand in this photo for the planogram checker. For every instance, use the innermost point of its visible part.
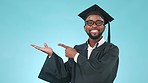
(47, 49)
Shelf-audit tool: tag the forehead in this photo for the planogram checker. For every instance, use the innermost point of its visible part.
(94, 17)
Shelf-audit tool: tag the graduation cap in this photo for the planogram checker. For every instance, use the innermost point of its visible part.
(95, 9)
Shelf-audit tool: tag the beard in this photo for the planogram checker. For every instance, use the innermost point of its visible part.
(95, 37)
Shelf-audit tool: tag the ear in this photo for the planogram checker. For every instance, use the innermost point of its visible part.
(85, 27)
(104, 28)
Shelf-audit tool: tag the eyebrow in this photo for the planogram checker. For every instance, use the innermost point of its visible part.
(96, 20)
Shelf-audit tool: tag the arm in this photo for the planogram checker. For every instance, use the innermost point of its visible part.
(109, 58)
(53, 69)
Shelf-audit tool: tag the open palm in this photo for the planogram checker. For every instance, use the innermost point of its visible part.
(46, 49)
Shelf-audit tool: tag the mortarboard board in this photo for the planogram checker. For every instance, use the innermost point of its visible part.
(95, 9)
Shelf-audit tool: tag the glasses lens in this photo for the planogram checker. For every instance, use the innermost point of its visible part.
(99, 22)
(89, 22)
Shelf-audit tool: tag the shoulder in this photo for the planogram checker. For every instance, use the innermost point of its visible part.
(81, 46)
(111, 45)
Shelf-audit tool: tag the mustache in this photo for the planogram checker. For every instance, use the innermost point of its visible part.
(94, 37)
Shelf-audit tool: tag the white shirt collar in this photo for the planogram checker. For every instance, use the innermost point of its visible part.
(101, 42)
(97, 44)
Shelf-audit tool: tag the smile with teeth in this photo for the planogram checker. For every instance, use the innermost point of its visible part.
(94, 31)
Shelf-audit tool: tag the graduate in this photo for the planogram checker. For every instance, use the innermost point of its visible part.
(94, 61)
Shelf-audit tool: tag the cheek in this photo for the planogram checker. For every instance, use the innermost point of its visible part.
(102, 28)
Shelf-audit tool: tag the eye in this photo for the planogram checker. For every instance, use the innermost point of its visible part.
(89, 22)
(99, 22)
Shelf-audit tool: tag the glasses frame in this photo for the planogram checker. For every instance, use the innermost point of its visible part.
(97, 22)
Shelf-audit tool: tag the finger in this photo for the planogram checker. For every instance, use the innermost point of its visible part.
(64, 46)
(32, 45)
(46, 46)
(37, 47)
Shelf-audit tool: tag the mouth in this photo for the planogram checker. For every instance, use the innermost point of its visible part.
(94, 31)
(94, 34)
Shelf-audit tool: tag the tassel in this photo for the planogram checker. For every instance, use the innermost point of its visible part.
(109, 36)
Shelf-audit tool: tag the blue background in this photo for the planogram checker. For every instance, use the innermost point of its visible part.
(23, 22)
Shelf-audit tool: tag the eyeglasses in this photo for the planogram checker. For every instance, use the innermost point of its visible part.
(91, 22)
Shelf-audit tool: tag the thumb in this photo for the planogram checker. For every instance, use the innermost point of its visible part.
(64, 46)
(45, 44)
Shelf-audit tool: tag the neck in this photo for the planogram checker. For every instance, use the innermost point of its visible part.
(93, 42)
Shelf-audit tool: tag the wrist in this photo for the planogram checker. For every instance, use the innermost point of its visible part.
(76, 57)
(50, 54)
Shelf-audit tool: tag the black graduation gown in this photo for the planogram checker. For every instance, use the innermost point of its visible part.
(101, 67)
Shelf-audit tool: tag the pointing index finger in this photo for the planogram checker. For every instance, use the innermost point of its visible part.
(64, 46)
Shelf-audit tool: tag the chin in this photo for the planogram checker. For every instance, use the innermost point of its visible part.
(94, 37)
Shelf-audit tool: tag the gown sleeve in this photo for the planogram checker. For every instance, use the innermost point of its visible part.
(54, 70)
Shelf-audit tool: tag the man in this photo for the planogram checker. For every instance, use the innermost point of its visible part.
(95, 61)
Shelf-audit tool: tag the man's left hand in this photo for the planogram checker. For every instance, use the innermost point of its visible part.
(69, 51)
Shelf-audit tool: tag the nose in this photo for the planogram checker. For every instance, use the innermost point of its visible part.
(94, 25)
